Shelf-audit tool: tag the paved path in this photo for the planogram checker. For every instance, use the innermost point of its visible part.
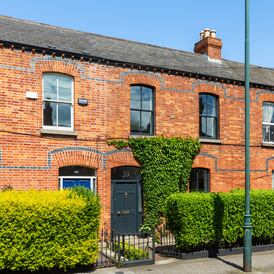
(263, 262)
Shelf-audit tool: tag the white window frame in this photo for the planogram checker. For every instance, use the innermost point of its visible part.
(267, 124)
(93, 186)
(56, 101)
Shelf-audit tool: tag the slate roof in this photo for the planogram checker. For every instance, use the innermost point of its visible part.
(73, 41)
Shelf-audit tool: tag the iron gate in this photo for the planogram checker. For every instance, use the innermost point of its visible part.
(125, 249)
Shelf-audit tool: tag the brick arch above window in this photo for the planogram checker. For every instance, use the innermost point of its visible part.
(58, 67)
(204, 160)
(207, 87)
(146, 79)
(121, 158)
(74, 157)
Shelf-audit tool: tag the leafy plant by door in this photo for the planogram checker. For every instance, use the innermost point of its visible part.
(166, 165)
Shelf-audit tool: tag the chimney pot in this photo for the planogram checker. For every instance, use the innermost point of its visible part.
(213, 33)
(207, 33)
(202, 34)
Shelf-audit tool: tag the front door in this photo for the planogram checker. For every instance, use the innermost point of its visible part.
(126, 199)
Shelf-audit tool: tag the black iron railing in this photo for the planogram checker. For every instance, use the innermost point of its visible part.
(166, 245)
(125, 249)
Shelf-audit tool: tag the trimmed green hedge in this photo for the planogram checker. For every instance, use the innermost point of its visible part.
(202, 219)
(43, 230)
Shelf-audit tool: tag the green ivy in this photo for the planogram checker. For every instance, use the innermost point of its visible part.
(119, 144)
(166, 165)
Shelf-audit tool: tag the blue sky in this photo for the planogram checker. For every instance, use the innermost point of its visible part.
(169, 23)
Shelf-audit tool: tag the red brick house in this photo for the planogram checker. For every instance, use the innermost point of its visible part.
(64, 93)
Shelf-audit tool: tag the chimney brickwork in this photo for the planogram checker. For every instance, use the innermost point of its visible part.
(209, 45)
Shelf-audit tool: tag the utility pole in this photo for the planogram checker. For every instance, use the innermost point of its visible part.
(247, 256)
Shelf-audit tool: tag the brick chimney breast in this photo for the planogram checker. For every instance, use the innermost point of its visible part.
(209, 45)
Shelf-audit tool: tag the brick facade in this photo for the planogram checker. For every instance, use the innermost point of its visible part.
(29, 159)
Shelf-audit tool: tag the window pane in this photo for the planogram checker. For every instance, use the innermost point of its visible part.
(64, 115)
(271, 134)
(135, 97)
(146, 124)
(202, 104)
(203, 127)
(50, 86)
(49, 114)
(211, 127)
(64, 85)
(135, 121)
(211, 106)
(265, 113)
(147, 101)
(266, 131)
(199, 180)
(271, 113)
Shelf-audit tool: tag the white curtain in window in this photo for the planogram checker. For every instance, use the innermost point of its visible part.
(268, 113)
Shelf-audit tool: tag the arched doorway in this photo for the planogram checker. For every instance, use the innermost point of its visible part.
(71, 176)
(126, 202)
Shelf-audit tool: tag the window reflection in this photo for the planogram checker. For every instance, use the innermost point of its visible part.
(208, 108)
(141, 110)
(57, 100)
(199, 180)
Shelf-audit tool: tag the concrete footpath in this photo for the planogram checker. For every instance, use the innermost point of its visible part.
(263, 262)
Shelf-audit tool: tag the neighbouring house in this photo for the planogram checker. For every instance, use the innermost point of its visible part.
(64, 93)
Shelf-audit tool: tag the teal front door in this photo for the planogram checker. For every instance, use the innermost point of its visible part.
(126, 205)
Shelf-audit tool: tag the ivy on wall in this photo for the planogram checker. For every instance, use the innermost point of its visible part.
(166, 165)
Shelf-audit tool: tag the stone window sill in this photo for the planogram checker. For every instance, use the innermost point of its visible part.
(141, 136)
(210, 141)
(58, 132)
(268, 144)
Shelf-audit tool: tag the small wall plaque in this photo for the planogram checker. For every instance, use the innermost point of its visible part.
(82, 101)
(31, 95)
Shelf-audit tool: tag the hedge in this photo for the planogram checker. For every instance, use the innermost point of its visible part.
(202, 219)
(45, 230)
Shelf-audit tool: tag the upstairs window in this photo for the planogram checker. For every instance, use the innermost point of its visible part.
(268, 122)
(57, 101)
(199, 180)
(208, 108)
(141, 110)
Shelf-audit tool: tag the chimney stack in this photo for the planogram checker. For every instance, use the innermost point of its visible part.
(209, 44)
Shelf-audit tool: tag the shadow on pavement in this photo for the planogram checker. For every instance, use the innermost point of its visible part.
(229, 263)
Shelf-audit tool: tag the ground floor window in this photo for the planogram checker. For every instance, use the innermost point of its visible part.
(71, 176)
(199, 180)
